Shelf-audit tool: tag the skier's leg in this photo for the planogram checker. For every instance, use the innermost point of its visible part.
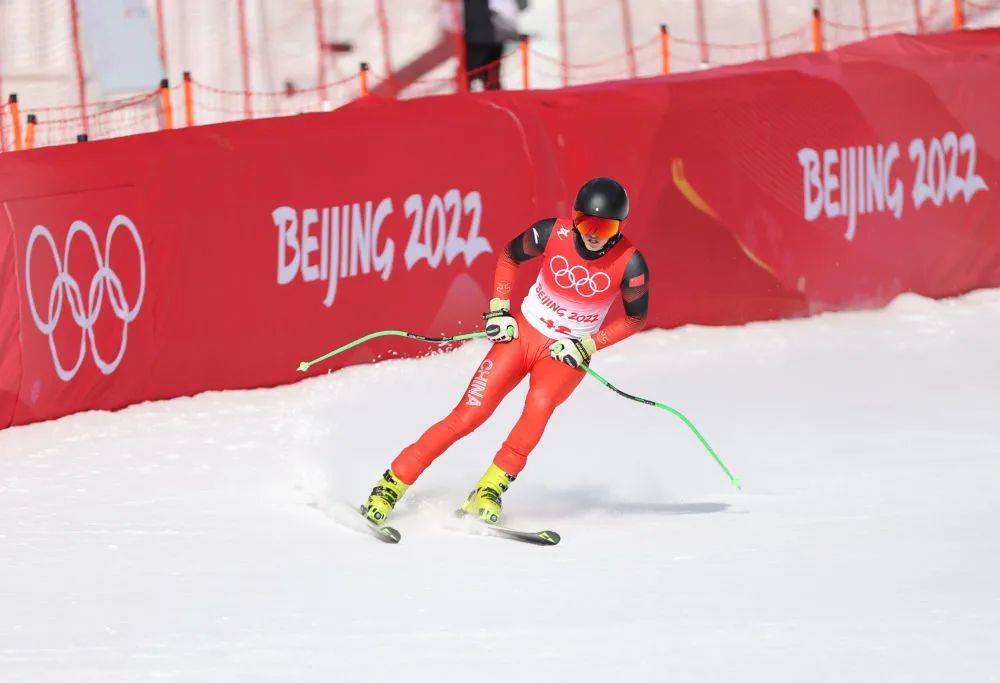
(551, 383)
(501, 370)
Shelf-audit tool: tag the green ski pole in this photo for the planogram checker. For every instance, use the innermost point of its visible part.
(304, 366)
(732, 480)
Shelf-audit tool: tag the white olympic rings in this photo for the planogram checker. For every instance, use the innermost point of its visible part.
(85, 313)
(578, 277)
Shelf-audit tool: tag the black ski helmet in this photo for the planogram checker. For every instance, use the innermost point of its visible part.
(603, 197)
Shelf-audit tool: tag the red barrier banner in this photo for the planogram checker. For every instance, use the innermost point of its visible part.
(219, 257)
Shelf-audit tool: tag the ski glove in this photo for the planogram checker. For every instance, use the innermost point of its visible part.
(573, 352)
(500, 324)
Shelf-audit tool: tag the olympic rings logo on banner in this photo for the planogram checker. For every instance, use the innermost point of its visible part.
(66, 289)
(578, 277)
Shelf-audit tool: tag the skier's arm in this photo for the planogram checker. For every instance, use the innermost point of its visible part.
(527, 245)
(635, 297)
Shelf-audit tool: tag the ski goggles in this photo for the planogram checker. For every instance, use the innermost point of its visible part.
(601, 228)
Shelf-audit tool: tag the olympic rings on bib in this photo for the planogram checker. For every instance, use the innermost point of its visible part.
(578, 277)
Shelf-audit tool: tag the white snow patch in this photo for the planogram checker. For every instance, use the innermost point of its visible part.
(210, 539)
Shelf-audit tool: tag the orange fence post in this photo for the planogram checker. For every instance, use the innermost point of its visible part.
(165, 105)
(957, 16)
(15, 117)
(817, 26)
(363, 78)
(29, 140)
(525, 81)
(188, 101)
(665, 47)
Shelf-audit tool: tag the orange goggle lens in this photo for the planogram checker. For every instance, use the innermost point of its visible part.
(602, 228)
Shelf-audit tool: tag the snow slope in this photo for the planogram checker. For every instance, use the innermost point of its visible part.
(209, 538)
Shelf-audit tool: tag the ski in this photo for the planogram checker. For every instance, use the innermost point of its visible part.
(386, 534)
(546, 537)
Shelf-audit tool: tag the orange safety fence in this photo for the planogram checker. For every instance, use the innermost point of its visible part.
(600, 63)
(914, 23)
(523, 65)
(649, 55)
(796, 40)
(509, 63)
(425, 87)
(102, 119)
(216, 105)
(644, 59)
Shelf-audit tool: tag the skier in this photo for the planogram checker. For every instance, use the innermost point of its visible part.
(586, 262)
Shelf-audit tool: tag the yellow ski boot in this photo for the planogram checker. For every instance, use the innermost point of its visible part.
(484, 501)
(383, 498)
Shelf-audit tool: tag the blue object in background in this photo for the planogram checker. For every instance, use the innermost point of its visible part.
(121, 45)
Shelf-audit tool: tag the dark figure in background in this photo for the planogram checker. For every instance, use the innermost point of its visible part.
(488, 25)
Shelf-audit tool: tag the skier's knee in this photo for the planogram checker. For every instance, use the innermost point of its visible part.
(464, 422)
(539, 403)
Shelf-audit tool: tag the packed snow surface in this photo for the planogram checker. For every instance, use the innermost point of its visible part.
(212, 538)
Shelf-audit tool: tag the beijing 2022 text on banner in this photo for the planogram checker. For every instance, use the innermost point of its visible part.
(220, 256)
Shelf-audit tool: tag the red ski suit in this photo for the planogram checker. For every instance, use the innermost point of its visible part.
(569, 299)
